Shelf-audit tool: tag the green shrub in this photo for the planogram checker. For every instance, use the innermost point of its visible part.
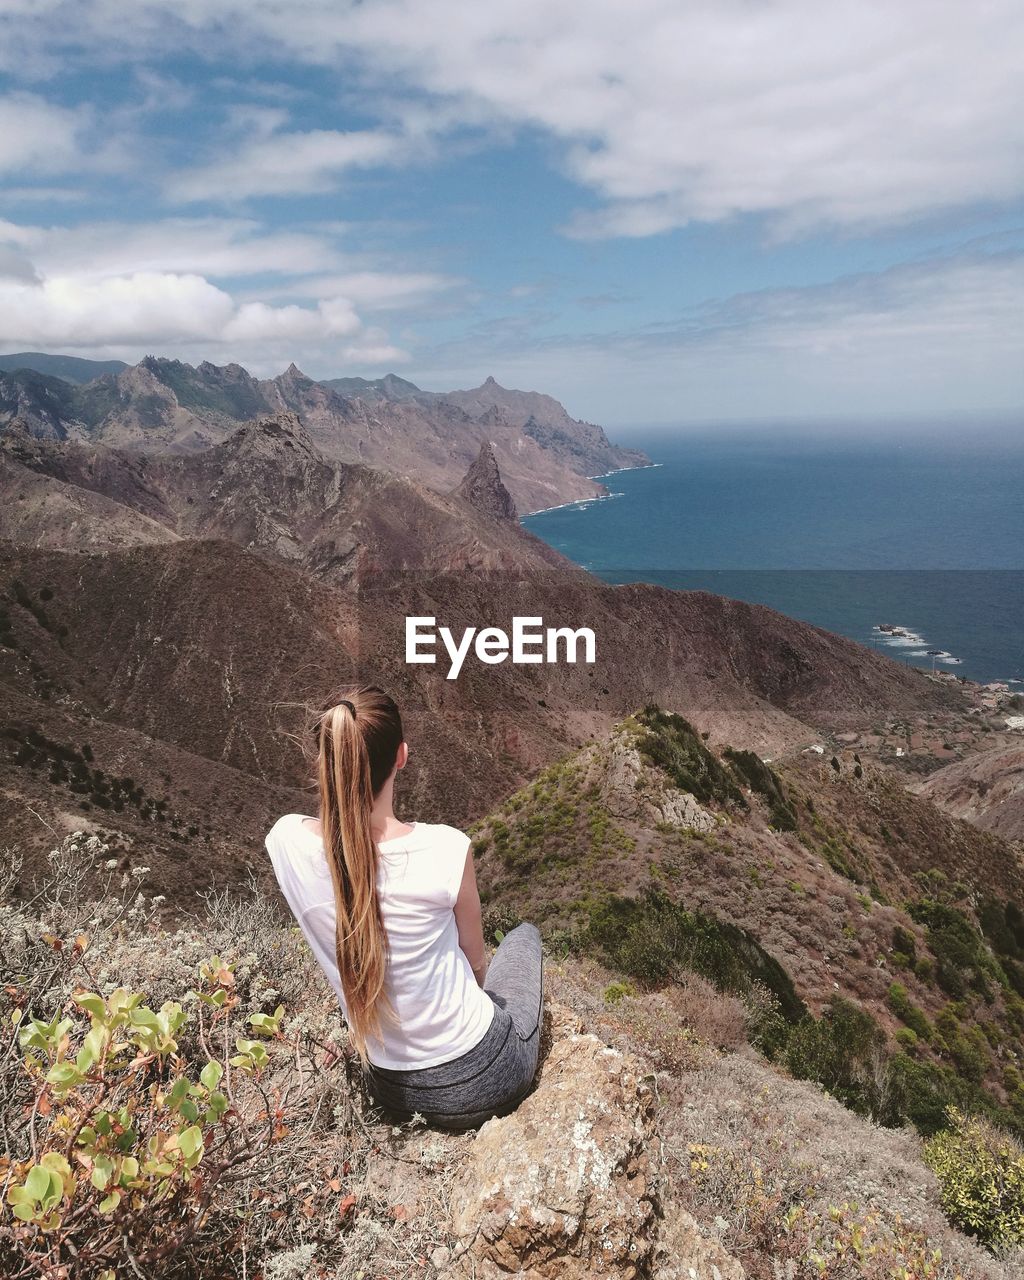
(135, 1148)
(905, 944)
(498, 921)
(981, 1176)
(962, 960)
(767, 783)
(1003, 926)
(844, 1051)
(908, 1012)
(964, 1043)
(652, 940)
(616, 992)
(673, 745)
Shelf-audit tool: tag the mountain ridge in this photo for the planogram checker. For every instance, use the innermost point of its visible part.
(172, 406)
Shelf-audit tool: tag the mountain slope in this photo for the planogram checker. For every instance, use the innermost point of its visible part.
(662, 858)
(213, 649)
(41, 510)
(986, 789)
(390, 387)
(266, 487)
(543, 419)
(657, 1142)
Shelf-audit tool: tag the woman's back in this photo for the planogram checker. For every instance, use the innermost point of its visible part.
(436, 1011)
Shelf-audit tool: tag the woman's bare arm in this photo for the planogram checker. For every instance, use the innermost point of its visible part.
(467, 917)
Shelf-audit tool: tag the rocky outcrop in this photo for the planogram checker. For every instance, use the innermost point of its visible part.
(483, 490)
(565, 1186)
(635, 790)
(682, 1252)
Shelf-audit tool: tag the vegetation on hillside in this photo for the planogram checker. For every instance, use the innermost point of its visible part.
(925, 1010)
(181, 1102)
(674, 746)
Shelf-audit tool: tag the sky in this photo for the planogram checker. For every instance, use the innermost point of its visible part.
(660, 211)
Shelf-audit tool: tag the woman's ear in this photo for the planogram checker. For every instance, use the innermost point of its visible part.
(402, 759)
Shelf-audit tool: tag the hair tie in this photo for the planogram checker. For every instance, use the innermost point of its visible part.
(344, 702)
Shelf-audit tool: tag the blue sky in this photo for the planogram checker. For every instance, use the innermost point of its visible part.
(657, 211)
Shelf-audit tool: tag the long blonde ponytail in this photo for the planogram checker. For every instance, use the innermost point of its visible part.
(358, 738)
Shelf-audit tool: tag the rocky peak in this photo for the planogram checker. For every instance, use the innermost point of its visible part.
(276, 438)
(223, 372)
(494, 416)
(163, 367)
(482, 487)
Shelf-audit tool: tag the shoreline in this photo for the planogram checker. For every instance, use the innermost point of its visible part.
(576, 502)
(597, 497)
(644, 466)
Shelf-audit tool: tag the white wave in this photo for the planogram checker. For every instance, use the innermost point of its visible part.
(648, 466)
(580, 503)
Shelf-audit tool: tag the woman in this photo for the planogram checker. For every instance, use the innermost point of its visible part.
(392, 913)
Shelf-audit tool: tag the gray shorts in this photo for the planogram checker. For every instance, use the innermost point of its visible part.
(493, 1077)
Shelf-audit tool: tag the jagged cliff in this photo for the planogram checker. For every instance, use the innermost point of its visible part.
(545, 455)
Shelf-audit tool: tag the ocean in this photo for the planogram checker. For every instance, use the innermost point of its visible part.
(852, 534)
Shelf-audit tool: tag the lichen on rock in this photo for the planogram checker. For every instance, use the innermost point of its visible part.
(565, 1186)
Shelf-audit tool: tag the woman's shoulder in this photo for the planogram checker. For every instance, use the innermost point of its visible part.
(287, 832)
(439, 835)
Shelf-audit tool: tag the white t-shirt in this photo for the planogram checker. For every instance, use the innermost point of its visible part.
(439, 1011)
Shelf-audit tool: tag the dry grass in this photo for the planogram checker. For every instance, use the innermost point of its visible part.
(778, 1169)
(793, 1184)
(338, 1193)
(789, 1180)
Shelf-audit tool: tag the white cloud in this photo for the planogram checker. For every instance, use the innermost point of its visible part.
(144, 308)
(374, 351)
(375, 290)
(852, 113)
(36, 136)
(149, 308)
(285, 164)
(220, 247)
(118, 288)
